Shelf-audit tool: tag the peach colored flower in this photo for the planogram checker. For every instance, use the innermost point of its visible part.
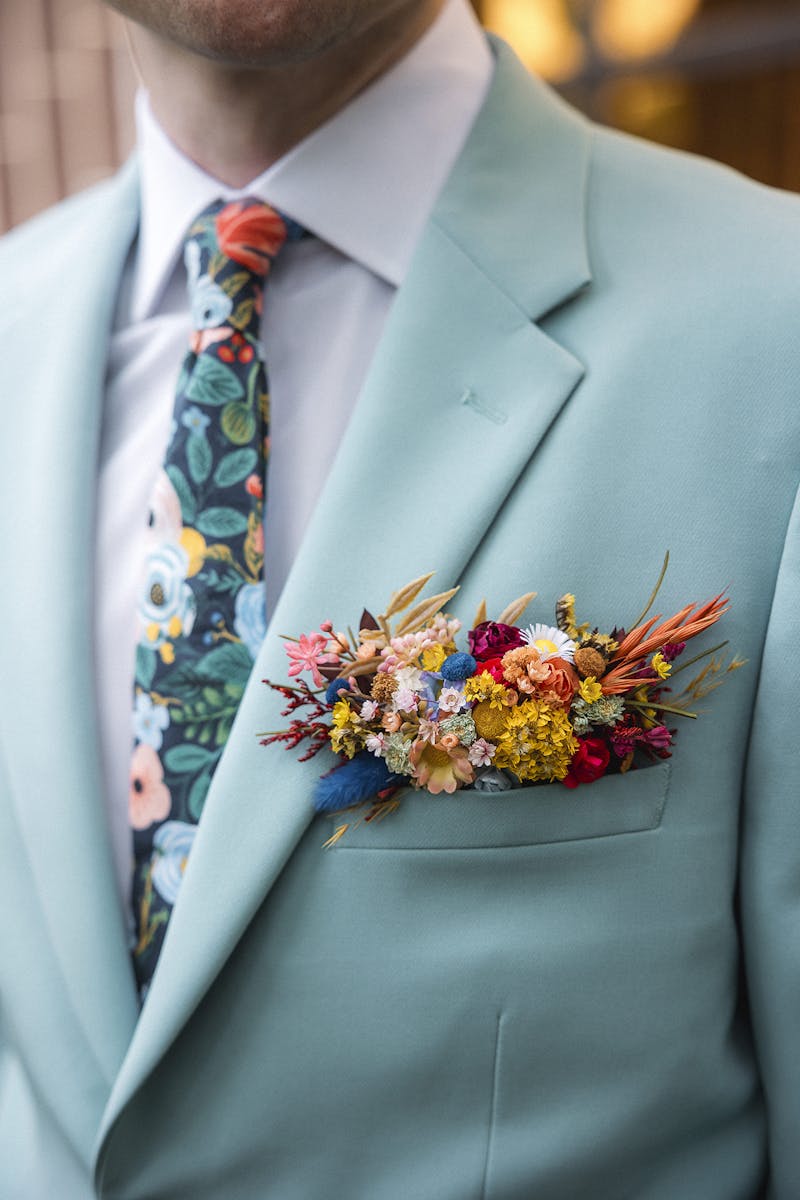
(439, 769)
(559, 684)
(392, 722)
(149, 797)
(523, 668)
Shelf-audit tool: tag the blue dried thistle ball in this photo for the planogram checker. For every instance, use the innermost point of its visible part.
(334, 688)
(458, 666)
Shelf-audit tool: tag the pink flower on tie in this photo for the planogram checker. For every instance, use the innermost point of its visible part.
(149, 797)
(307, 655)
(251, 234)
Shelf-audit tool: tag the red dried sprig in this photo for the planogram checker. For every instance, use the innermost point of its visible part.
(300, 696)
(315, 732)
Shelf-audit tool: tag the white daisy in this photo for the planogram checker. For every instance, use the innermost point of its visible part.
(550, 642)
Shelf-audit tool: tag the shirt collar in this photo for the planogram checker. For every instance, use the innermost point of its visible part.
(364, 182)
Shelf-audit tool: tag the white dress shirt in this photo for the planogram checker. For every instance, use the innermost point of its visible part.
(364, 185)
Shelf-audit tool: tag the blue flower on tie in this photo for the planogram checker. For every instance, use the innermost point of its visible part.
(211, 307)
(195, 420)
(149, 721)
(171, 843)
(167, 608)
(250, 621)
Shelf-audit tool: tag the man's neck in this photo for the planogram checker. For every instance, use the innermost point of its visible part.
(236, 122)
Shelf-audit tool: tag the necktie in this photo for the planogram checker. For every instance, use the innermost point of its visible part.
(201, 607)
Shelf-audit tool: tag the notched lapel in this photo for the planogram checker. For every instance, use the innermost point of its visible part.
(461, 391)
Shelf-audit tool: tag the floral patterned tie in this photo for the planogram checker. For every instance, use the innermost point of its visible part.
(201, 609)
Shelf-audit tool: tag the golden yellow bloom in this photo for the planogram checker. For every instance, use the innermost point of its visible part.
(433, 657)
(590, 690)
(342, 714)
(346, 741)
(167, 652)
(195, 546)
(538, 742)
(490, 720)
(175, 626)
(660, 665)
(152, 631)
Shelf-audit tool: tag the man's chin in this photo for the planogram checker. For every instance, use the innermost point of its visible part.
(256, 33)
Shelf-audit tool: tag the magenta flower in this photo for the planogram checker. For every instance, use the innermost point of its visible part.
(491, 639)
(309, 653)
(672, 650)
(659, 738)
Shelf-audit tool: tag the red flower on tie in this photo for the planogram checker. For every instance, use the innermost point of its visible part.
(250, 234)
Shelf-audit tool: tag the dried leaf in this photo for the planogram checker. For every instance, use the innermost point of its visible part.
(219, 551)
(368, 621)
(341, 830)
(513, 611)
(480, 614)
(424, 611)
(405, 595)
(366, 666)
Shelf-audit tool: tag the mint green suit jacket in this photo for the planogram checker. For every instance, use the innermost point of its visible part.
(550, 995)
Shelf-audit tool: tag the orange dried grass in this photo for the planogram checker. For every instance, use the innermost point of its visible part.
(649, 637)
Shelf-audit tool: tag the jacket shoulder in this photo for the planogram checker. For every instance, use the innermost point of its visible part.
(691, 214)
(32, 253)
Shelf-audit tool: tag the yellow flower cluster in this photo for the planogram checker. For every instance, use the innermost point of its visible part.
(538, 742)
(590, 690)
(346, 737)
(483, 687)
(660, 665)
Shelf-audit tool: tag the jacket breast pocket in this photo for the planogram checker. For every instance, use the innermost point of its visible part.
(528, 816)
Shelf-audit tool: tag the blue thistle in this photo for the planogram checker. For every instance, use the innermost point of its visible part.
(457, 667)
(334, 688)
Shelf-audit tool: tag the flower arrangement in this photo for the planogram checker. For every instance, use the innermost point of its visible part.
(402, 706)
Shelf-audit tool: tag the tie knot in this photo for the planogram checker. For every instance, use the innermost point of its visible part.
(229, 251)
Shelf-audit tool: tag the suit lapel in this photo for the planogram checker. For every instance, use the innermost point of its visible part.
(56, 375)
(462, 378)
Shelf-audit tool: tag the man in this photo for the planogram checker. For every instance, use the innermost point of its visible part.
(523, 351)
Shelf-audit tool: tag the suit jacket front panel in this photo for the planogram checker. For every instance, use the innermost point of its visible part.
(537, 994)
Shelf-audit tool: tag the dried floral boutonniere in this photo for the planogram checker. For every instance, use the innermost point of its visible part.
(403, 707)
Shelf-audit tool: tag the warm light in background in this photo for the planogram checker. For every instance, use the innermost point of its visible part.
(635, 29)
(541, 32)
(547, 36)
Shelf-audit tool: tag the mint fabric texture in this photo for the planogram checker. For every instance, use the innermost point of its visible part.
(201, 610)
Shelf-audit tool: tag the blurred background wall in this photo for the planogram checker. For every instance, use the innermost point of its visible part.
(720, 77)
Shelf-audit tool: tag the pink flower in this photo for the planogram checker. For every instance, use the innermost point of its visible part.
(405, 700)
(201, 339)
(376, 744)
(369, 710)
(481, 753)
(308, 653)
(451, 700)
(149, 797)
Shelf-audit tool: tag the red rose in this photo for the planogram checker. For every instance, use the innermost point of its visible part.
(494, 666)
(589, 763)
(250, 234)
(490, 639)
